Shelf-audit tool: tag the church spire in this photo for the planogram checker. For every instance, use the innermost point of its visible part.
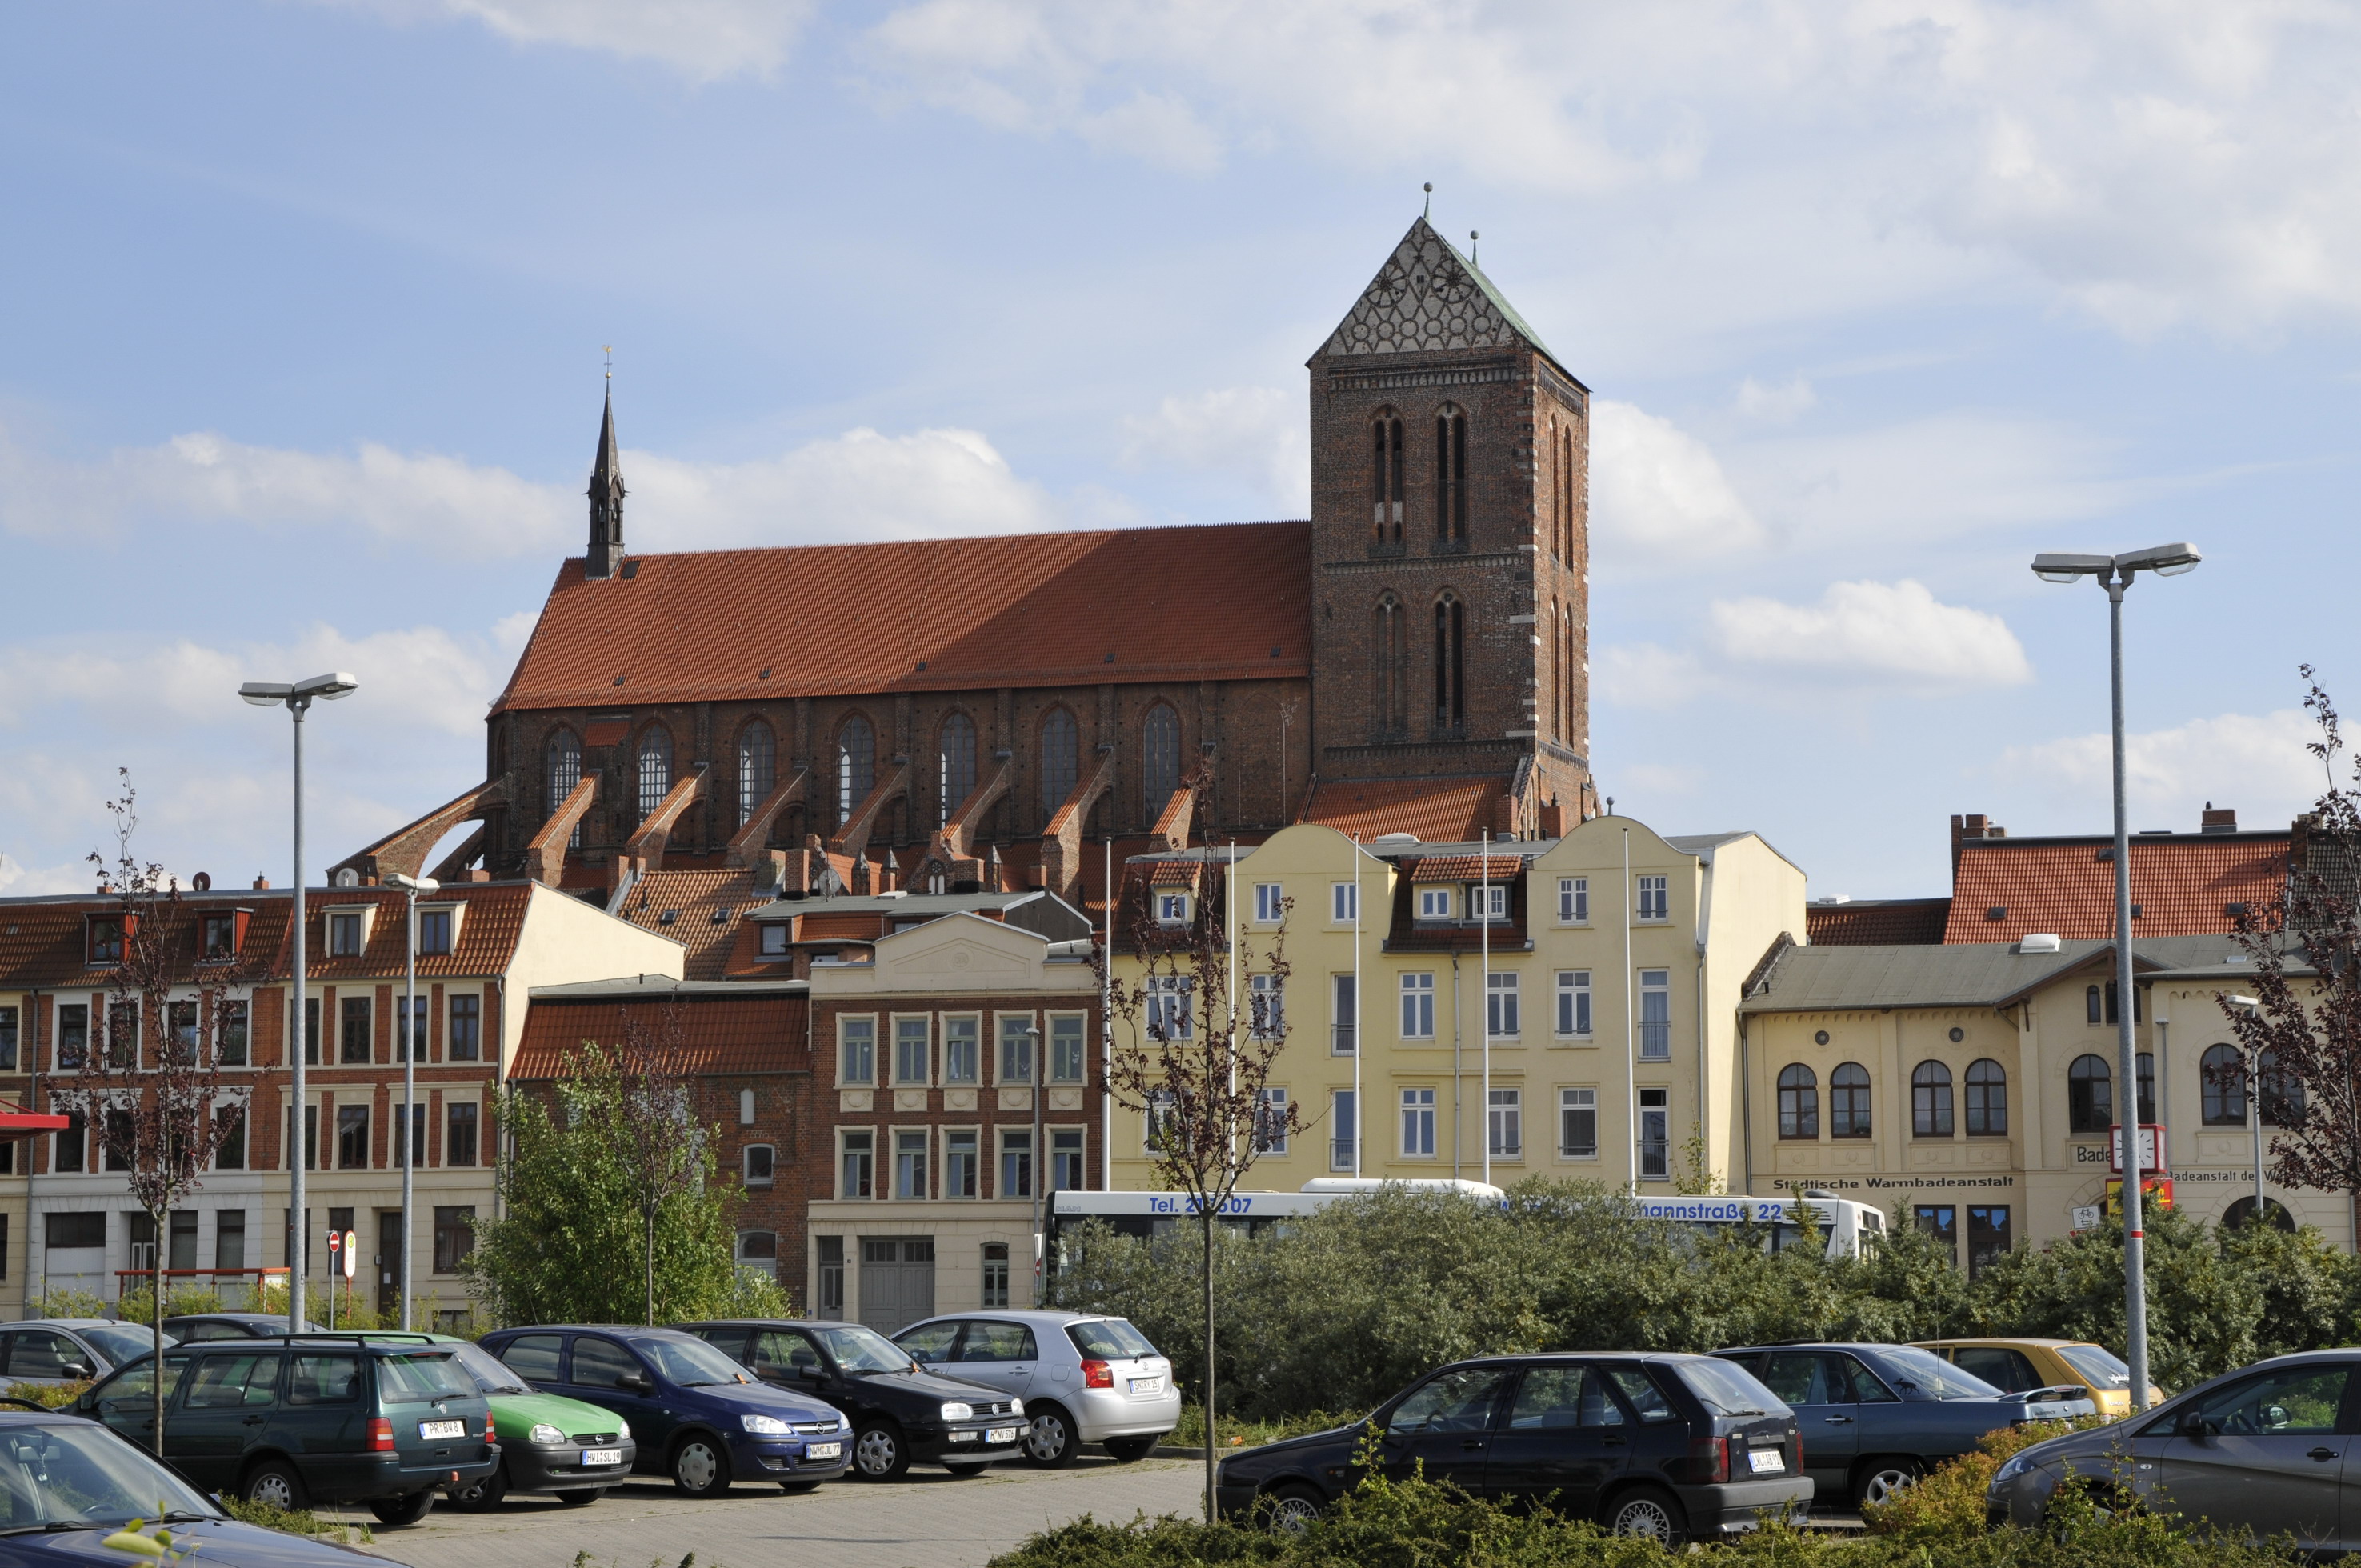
(607, 497)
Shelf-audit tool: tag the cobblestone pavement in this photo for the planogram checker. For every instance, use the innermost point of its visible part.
(931, 1520)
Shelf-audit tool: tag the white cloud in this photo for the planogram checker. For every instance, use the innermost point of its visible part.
(1658, 495)
(19, 881)
(1780, 404)
(1256, 434)
(1870, 635)
(702, 40)
(1647, 674)
(2254, 762)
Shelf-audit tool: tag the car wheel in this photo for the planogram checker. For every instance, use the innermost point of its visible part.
(1649, 1512)
(484, 1494)
(581, 1496)
(964, 1471)
(1882, 1480)
(699, 1467)
(1290, 1509)
(274, 1484)
(1050, 1442)
(1126, 1450)
(878, 1451)
(402, 1510)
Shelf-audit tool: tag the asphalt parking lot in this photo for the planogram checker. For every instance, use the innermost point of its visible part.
(931, 1520)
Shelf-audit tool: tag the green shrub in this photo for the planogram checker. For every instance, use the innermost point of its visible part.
(1949, 1499)
(50, 1396)
(1235, 1434)
(296, 1522)
(67, 1304)
(179, 1300)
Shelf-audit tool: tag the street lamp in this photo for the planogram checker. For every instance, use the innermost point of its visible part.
(2114, 574)
(410, 1035)
(2253, 1069)
(296, 698)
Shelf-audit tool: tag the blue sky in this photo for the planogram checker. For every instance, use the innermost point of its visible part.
(306, 304)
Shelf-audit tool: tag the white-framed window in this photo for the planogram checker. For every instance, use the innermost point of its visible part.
(962, 1050)
(1270, 1120)
(1266, 998)
(1418, 1123)
(995, 1274)
(1655, 1014)
(1500, 1019)
(1504, 1123)
(913, 1049)
(857, 1163)
(1654, 901)
(1159, 1119)
(1418, 1007)
(1069, 1048)
(1271, 902)
(1574, 899)
(910, 1164)
(1488, 901)
(1173, 908)
(856, 1051)
(757, 1250)
(1345, 1016)
(1574, 1001)
(745, 1107)
(1656, 1133)
(435, 928)
(1434, 904)
(1168, 1007)
(1344, 903)
(774, 943)
(1017, 1162)
(959, 1145)
(1019, 1037)
(347, 930)
(1344, 1128)
(758, 1161)
(1068, 1166)
(1578, 1123)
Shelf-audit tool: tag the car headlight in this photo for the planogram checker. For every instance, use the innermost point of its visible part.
(764, 1426)
(1015, 1406)
(543, 1433)
(843, 1422)
(623, 1431)
(2015, 1464)
(955, 1411)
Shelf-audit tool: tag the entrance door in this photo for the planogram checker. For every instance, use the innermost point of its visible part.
(389, 1242)
(897, 1282)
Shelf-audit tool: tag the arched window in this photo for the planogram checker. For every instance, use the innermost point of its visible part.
(2222, 1087)
(1930, 1100)
(1566, 493)
(1450, 677)
(1386, 477)
(954, 765)
(1060, 759)
(655, 768)
(1451, 474)
(1565, 693)
(565, 776)
(1390, 654)
(758, 767)
(856, 767)
(2090, 1095)
(1160, 758)
(2242, 1212)
(2277, 1092)
(1987, 1099)
(1800, 1102)
(1849, 1101)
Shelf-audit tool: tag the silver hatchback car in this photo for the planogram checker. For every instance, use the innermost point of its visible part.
(1083, 1379)
(73, 1350)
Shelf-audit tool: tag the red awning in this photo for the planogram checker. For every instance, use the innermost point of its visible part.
(15, 1122)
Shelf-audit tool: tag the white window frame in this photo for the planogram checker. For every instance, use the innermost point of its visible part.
(1655, 986)
(972, 1037)
(923, 1077)
(1344, 1014)
(1418, 1122)
(974, 1152)
(773, 942)
(1488, 902)
(358, 916)
(1001, 1045)
(1418, 1006)
(1575, 1019)
(1067, 1027)
(1574, 901)
(746, 1164)
(844, 1033)
(844, 1151)
(1657, 1110)
(1270, 903)
(1266, 1006)
(1434, 902)
(1344, 903)
(1502, 1009)
(1571, 1104)
(1651, 901)
(1504, 1123)
(1344, 1119)
(925, 1147)
(1169, 997)
(1171, 908)
(1270, 1120)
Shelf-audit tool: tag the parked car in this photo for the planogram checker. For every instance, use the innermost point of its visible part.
(91, 1483)
(1082, 1378)
(901, 1413)
(191, 1327)
(1875, 1417)
(2267, 1450)
(310, 1419)
(73, 1350)
(697, 1416)
(2018, 1365)
(1675, 1447)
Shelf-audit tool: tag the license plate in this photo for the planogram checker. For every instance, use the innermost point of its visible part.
(602, 1456)
(1765, 1461)
(1147, 1385)
(822, 1450)
(433, 1429)
(1001, 1435)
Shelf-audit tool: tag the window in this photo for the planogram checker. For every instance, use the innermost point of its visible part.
(106, 939)
(1173, 908)
(345, 935)
(1987, 1235)
(1504, 1123)
(1344, 903)
(1434, 904)
(1488, 902)
(913, 1049)
(1418, 1007)
(856, 1040)
(959, 1163)
(2092, 1012)
(564, 758)
(1267, 1005)
(955, 766)
(220, 937)
(1500, 1019)
(758, 1161)
(1654, 898)
(1168, 1007)
(1345, 1129)
(352, 1137)
(1940, 1221)
(1270, 903)
(74, 1034)
(1067, 1171)
(774, 939)
(181, 1030)
(655, 768)
(116, 1138)
(454, 1236)
(1017, 1035)
(995, 1275)
(1578, 1123)
(81, 1229)
(1386, 477)
(1655, 1014)
(1574, 1001)
(1656, 1133)
(1987, 1099)
(2278, 1092)
(962, 1055)
(418, 1125)
(746, 1108)
(1068, 1062)
(408, 1024)
(1160, 1115)
(234, 1018)
(1270, 1120)
(1930, 1100)
(1574, 899)
(2222, 1087)
(311, 1031)
(910, 1165)
(1849, 1101)
(1390, 682)
(123, 1034)
(2100, 1004)
(856, 767)
(1017, 1163)
(1450, 671)
(459, 1130)
(434, 932)
(231, 1153)
(8, 1039)
(229, 1239)
(464, 1042)
(1799, 1102)
(856, 1173)
(758, 766)
(1418, 1123)
(353, 1028)
(72, 1145)
(1061, 764)
(2145, 1065)
(1450, 475)
(1161, 758)
(759, 1251)
(2090, 1095)
(1344, 1014)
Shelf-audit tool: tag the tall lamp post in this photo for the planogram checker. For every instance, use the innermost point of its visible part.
(2253, 1064)
(296, 699)
(412, 1037)
(2114, 574)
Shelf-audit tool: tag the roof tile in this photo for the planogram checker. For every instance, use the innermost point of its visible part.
(761, 1033)
(2182, 884)
(1436, 811)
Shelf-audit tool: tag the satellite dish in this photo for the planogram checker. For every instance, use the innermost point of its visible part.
(347, 877)
(203, 882)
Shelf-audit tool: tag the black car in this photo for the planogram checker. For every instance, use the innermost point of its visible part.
(67, 1483)
(1676, 1447)
(310, 1419)
(901, 1412)
(195, 1327)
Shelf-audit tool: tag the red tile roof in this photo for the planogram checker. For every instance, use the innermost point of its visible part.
(1467, 868)
(1877, 923)
(2181, 885)
(1439, 811)
(1149, 604)
(693, 896)
(765, 1032)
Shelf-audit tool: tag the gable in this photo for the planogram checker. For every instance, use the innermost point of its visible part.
(1427, 297)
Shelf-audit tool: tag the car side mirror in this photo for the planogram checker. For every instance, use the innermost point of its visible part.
(639, 1383)
(75, 1369)
(2191, 1423)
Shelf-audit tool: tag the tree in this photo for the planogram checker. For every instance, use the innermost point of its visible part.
(1202, 1067)
(151, 1085)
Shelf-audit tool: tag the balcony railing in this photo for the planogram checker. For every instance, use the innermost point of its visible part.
(234, 1285)
(1341, 1039)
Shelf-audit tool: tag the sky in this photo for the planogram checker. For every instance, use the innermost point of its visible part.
(306, 305)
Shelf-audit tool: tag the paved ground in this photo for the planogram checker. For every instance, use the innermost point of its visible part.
(931, 1520)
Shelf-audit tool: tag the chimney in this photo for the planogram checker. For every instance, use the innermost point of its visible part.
(1975, 825)
(262, 884)
(2223, 821)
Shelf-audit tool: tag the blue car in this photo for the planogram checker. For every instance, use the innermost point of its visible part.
(696, 1415)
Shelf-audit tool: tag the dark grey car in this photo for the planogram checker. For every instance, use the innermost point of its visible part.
(2269, 1450)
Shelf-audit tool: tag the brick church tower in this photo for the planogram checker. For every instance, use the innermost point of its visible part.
(1450, 532)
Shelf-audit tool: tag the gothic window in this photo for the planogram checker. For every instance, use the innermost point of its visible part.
(1161, 770)
(1450, 677)
(1386, 477)
(954, 765)
(1060, 762)
(1451, 474)
(856, 767)
(1390, 653)
(655, 768)
(758, 766)
(1557, 674)
(1565, 690)
(565, 776)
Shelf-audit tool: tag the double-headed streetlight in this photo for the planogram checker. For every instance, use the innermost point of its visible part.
(2114, 574)
(296, 698)
(412, 1037)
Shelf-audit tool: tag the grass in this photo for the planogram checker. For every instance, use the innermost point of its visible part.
(294, 1522)
(49, 1396)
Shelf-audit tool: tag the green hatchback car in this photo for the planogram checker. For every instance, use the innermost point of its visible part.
(548, 1444)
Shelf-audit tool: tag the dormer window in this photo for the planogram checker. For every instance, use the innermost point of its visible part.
(347, 930)
(1434, 904)
(436, 927)
(1488, 902)
(773, 944)
(1173, 908)
(107, 933)
(220, 937)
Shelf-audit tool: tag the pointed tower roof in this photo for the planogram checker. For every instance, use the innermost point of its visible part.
(1428, 296)
(607, 472)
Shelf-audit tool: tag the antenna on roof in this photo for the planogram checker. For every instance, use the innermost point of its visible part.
(1427, 209)
(1471, 248)
(610, 359)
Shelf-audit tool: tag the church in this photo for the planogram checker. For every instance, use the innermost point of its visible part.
(1011, 712)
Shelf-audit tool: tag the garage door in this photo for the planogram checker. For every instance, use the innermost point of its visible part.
(897, 1282)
